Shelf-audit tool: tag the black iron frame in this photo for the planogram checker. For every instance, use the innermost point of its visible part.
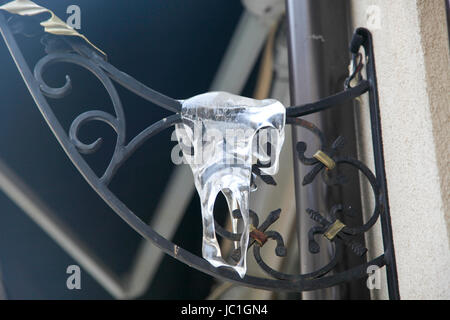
(75, 51)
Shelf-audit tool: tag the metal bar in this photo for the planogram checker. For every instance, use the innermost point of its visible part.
(328, 102)
(304, 87)
(24, 197)
(138, 88)
(377, 142)
(242, 53)
(166, 220)
(123, 78)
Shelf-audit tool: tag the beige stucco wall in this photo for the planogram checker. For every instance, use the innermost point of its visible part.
(412, 60)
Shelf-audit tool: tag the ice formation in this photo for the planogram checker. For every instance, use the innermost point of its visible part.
(218, 137)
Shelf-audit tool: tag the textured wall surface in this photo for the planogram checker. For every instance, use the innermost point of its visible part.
(412, 60)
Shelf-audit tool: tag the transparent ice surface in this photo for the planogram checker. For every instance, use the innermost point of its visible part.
(221, 136)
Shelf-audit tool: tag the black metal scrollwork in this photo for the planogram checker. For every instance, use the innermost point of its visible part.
(69, 50)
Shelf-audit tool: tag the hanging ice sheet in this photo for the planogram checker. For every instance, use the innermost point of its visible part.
(221, 136)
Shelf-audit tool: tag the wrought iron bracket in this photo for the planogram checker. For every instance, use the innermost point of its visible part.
(72, 50)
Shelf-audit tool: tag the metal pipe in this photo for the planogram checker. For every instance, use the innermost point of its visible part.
(318, 41)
